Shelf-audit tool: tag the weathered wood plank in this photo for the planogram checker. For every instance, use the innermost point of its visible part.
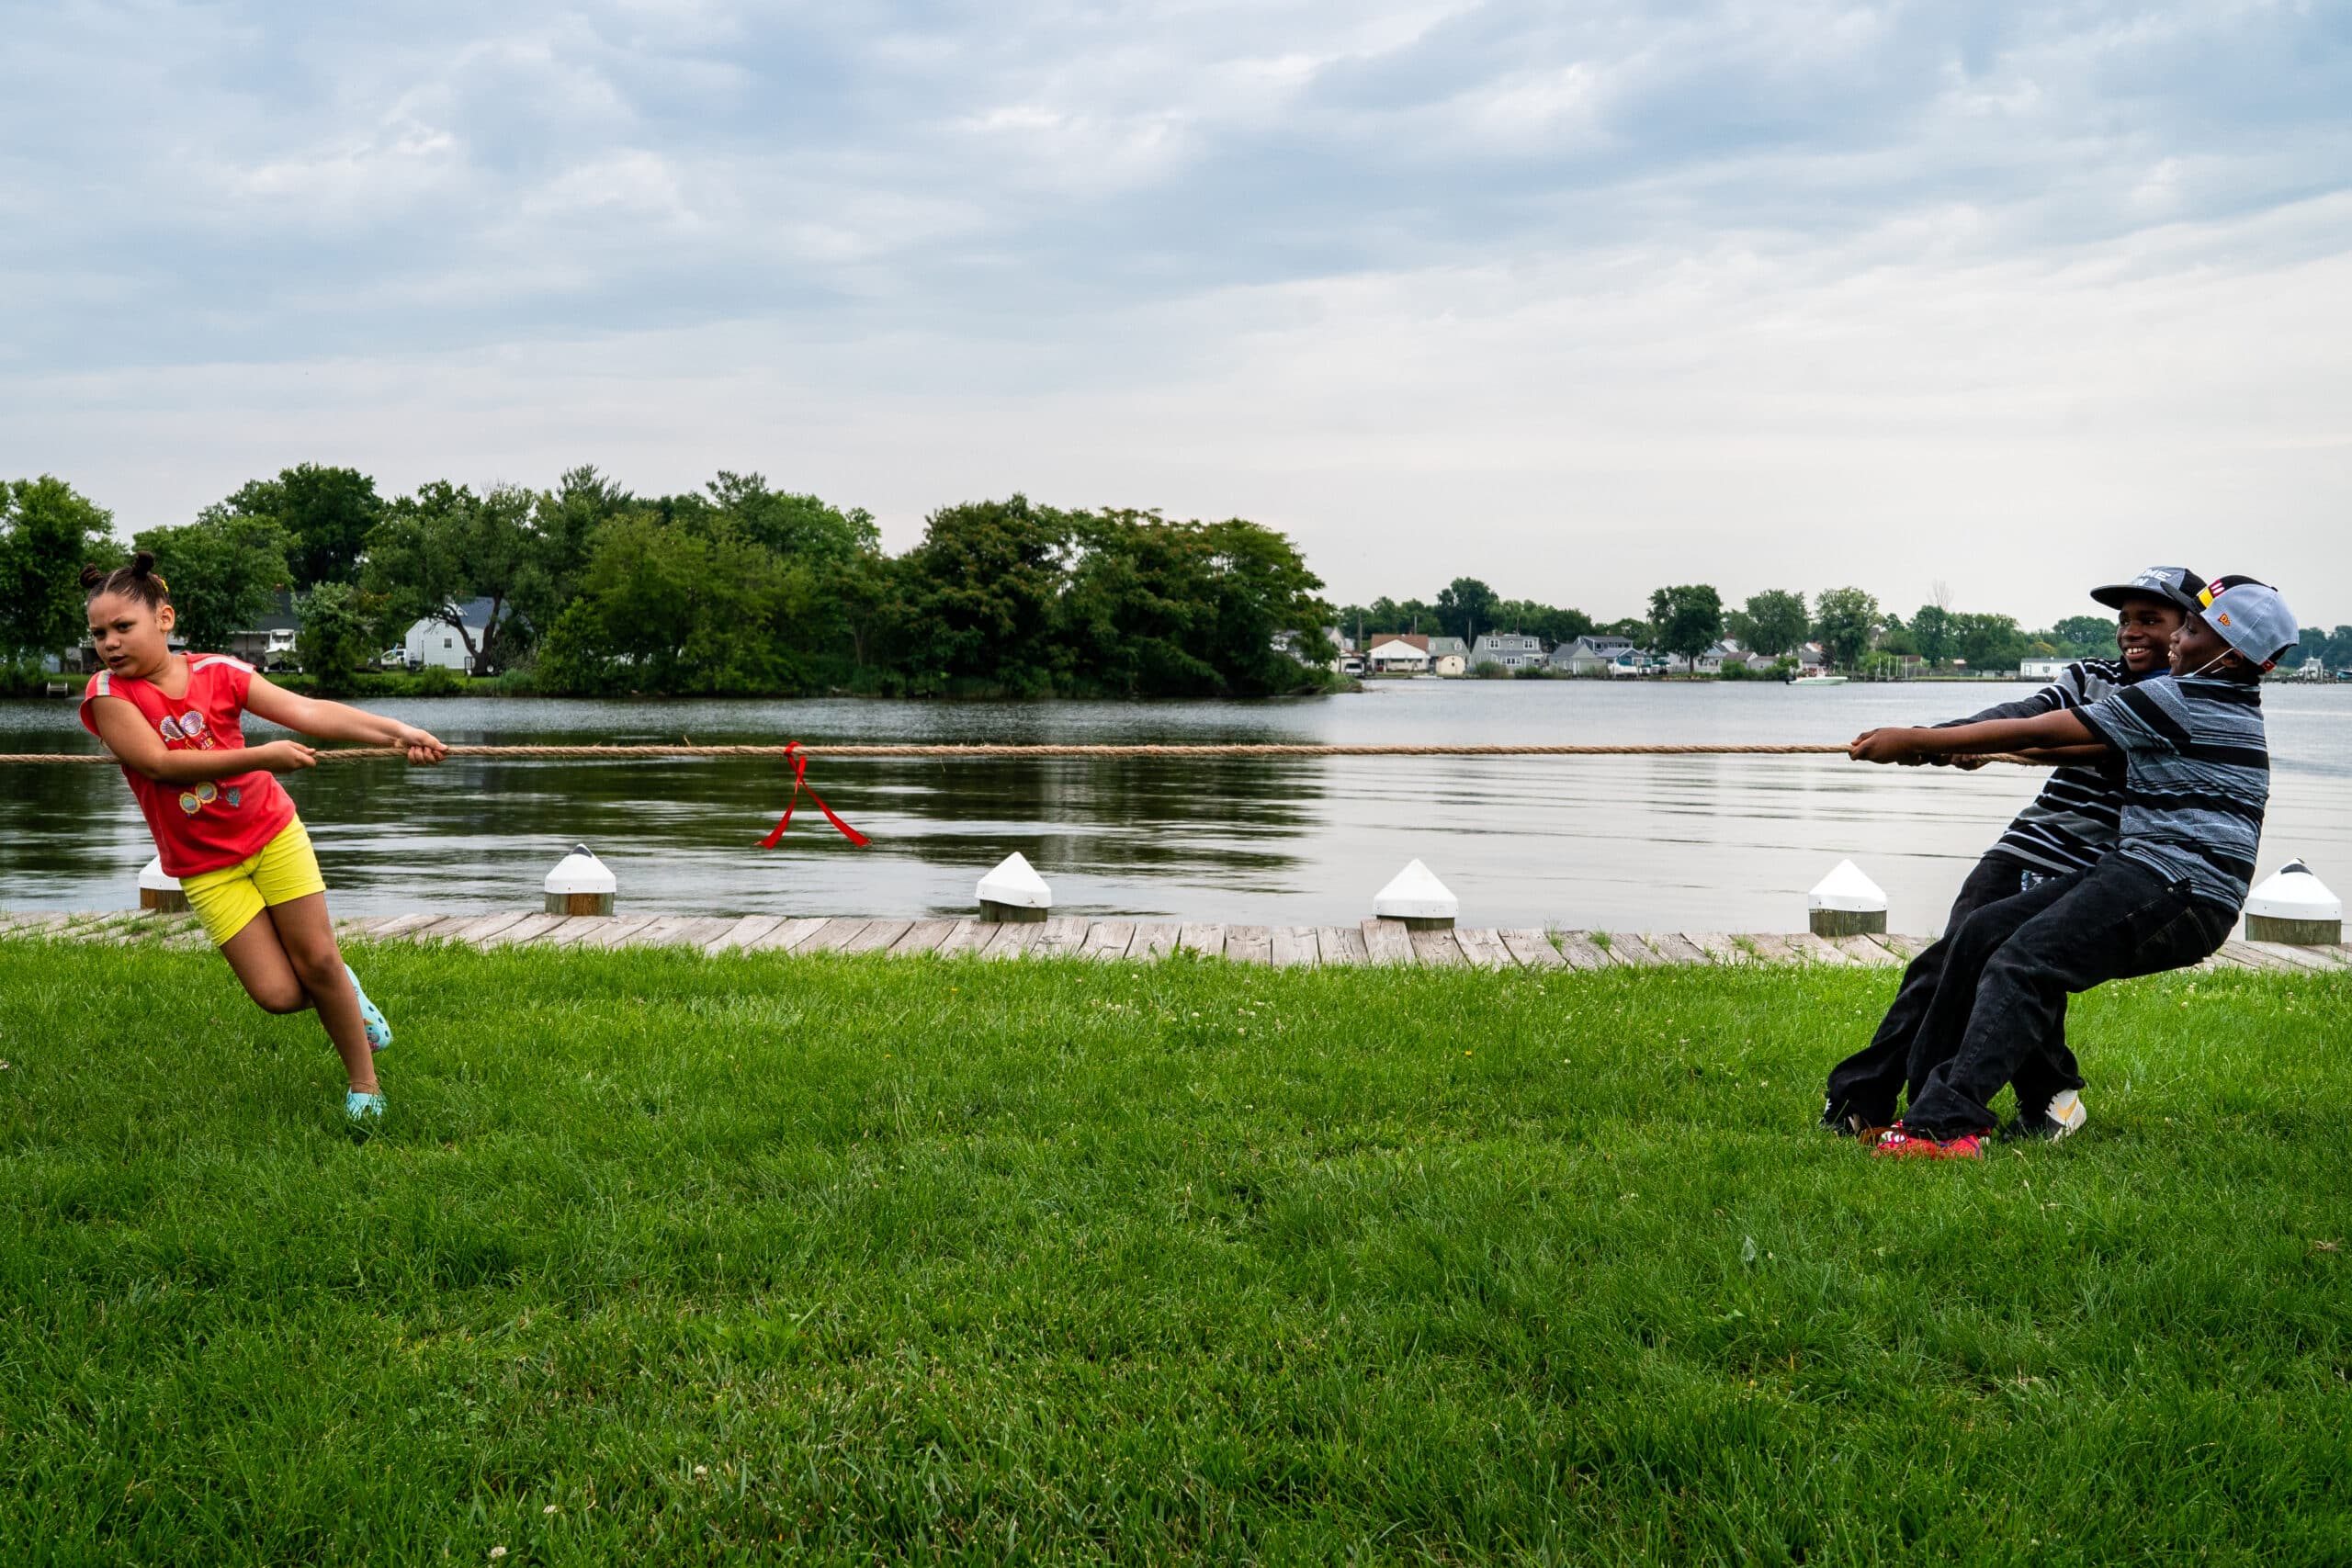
(1248, 945)
(1483, 949)
(1674, 947)
(1108, 939)
(1208, 940)
(1865, 951)
(1387, 941)
(969, 938)
(1292, 947)
(1904, 948)
(406, 927)
(37, 924)
(1531, 948)
(1807, 945)
(613, 933)
(482, 928)
(2310, 959)
(1718, 946)
(2253, 957)
(1061, 936)
(789, 937)
(361, 926)
(839, 932)
(1014, 938)
(1339, 945)
(1772, 948)
(742, 933)
(1436, 950)
(662, 931)
(530, 928)
(924, 936)
(701, 929)
(1154, 940)
(1582, 951)
(877, 936)
(570, 930)
(1629, 948)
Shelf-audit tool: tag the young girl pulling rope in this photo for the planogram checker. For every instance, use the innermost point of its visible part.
(221, 822)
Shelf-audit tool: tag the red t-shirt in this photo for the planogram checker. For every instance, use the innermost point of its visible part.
(199, 826)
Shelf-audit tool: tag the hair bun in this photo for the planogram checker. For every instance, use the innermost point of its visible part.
(142, 564)
(94, 575)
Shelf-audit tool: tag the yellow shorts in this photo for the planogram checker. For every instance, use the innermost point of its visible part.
(227, 900)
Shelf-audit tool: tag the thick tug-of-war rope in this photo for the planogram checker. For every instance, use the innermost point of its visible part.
(1217, 748)
(797, 756)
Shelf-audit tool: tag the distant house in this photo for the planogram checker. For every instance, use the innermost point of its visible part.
(1813, 660)
(1591, 655)
(1708, 663)
(268, 644)
(1513, 650)
(1397, 654)
(1330, 656)
(435, 643)
(1449, 655)
(2043, 668)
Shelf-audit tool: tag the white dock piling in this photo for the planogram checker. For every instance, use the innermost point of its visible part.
(581, 885)
(160, 891)
(1013, 894)
(2293, 905)
(1416, 897)
(1846, 903)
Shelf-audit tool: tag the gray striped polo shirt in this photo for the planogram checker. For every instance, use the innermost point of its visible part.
(2078, 815)
(2198, 777)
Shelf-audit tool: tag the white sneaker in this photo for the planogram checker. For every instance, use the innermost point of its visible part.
(2066, 1114)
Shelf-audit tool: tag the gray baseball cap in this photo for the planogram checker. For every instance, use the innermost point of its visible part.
(2251, 617)
(2172, 584)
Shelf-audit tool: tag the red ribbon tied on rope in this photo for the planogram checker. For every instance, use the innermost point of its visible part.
(799, 761)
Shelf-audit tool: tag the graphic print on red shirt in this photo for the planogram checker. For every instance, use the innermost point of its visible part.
(218, 822)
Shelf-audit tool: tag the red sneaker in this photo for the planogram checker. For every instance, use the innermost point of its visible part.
(1901, 1143)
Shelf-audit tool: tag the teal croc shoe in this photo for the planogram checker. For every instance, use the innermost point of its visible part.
(359, 1108)
(380, 1033)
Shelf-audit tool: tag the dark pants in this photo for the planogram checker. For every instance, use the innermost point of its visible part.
(2013, 964)
(1867, 1082)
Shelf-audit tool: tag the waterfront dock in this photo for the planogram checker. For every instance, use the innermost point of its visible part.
(1371, 942)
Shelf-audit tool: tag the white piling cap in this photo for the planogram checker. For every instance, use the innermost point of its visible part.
(2294, 893)
(1847, 891)
(1416, 894)
(1017, 883)
(154, 879)
(582, 871)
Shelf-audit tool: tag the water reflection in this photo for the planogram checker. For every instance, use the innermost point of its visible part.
(1665, 842)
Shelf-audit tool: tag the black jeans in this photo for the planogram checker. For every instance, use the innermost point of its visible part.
(1867, 1082)
(2014, 963)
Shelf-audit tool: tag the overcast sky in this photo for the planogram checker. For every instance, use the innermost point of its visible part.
(1577, 300)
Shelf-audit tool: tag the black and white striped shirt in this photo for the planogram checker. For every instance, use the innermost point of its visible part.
(2078, 815)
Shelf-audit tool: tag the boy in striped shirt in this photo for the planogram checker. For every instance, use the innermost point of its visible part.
(2198, 779)
(2067, 828)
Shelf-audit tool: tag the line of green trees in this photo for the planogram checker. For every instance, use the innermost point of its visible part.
(735, 588)
(1853, 630)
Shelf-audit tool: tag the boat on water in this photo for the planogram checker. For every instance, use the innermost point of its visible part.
(1818, 681)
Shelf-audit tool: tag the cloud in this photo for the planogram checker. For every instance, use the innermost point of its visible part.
(1895, 292)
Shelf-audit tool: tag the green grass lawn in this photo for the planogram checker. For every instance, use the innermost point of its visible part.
(668, 1259)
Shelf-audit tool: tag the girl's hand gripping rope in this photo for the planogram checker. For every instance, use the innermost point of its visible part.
(421, 746)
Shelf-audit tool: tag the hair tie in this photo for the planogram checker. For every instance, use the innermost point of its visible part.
(157, 577)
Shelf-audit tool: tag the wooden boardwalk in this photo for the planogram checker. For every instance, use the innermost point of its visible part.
(1295, 947)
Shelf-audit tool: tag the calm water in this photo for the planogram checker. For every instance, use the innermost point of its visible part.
(1644, 843)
